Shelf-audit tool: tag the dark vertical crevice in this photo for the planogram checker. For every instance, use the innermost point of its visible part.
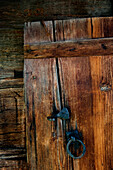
(34, 126)
(57, 70)
(59, 83)
(91, 28)
(54, 37)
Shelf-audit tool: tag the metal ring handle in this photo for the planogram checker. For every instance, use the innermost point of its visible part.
(74, 140)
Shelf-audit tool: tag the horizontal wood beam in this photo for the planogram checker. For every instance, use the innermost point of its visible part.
(81, 48)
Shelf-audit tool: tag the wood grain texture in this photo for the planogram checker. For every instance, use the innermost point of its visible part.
(102, 27)
(20, 11)
(42, 99)
(12, 123)
(13, 165)
(73, 29)
(101, 73)
(11, 82)
(76, 87)
(12, 117)
(80, 76)
(36, 32)
(78, 48)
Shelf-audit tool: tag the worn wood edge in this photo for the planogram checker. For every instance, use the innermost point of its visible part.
(11, 82)
(12, 92)
(80, 48)
(9, 153)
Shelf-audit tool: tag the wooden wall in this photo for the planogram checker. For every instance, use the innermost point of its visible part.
(13, 15)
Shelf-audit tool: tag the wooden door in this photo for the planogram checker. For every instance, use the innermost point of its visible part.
(75, 74)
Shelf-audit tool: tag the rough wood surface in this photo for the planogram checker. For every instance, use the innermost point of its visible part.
(20, 11)
(78, 48)
(81, 80)
(42, 99)
(12, 122)
(72, 29)
(102, 27)
(80, 84)
(13, 165)
(12, 118)
(101, 74)
(11, 49)
(38, 32)
(76, 91)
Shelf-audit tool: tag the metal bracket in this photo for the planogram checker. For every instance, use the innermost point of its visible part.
(63, 114)
(73, 137)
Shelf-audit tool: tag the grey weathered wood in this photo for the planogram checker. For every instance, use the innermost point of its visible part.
(36, 32)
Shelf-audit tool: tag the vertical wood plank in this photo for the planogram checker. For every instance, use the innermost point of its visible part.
(73, 29)
(37, 32)
(98, 112)
(102, 27)
(76, 94)
(41, 100)
(101, 73)
(59, 30)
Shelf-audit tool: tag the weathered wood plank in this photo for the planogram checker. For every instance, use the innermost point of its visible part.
(8, 153)
(102, 27)
(41, 100)
(36, 32)
(13, 164)
(12, 118)
(11, 52)
(91, 47)
(101, 73)
(76, 95)
(12, 92)
(73, 29)
(14, 83)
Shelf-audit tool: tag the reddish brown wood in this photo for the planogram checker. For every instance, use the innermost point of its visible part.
(76, 94)
(44, 143)
(79, 48)
(102, 27)
(73, 29)
(101, 74)
(75, 82)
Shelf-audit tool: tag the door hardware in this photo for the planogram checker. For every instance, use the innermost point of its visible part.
(74, 137)
(63, 114)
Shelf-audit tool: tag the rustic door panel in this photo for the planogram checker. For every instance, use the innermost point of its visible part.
(42, 99)
(76, 75)
(101, 73)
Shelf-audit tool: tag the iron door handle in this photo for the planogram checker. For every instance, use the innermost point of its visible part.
(72, 136)
(69, 152)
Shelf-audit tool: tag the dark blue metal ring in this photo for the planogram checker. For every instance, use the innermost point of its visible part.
(75, 140)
